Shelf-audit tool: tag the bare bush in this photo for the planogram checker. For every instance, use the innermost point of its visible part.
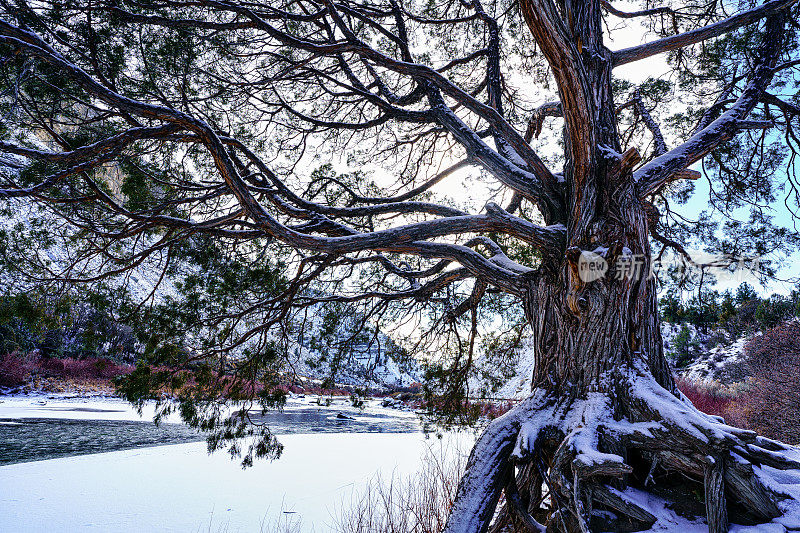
(283, 523)
(773, 406)
(419, 503)
(714, 398)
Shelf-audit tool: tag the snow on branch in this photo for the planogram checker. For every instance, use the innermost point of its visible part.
(657, 172)
(674, 42)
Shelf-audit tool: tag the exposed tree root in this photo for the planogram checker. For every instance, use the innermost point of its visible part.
(582, 465)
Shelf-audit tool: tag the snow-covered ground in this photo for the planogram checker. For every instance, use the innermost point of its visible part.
(71, 407)
(183, 489)
(180, 488)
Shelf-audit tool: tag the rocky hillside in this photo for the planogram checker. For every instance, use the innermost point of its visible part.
(715, 356)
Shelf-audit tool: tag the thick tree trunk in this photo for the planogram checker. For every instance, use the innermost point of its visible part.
(616, 325)
(604, 418)
(603, 423)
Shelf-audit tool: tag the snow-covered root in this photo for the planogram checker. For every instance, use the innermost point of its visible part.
(584, 464)
(489, 466)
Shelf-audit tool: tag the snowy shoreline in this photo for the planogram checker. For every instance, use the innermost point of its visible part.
(180, 487)
(111, 407)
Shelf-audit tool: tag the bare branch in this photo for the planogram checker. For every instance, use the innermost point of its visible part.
(655, 130)
(549, 109)
(654, 174)
(664, 10)
(636, 53)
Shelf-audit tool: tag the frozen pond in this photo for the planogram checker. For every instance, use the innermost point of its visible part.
(152, 478)
(64, 428)
(180, 488)
(34, 439)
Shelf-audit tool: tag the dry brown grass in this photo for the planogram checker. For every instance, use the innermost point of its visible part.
(419, 503)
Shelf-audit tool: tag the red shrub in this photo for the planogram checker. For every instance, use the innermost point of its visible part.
(52, 366)
(732, 405)
(15, 369)
(709, 401)
(93, 368)
(494, 410)
(294, 389)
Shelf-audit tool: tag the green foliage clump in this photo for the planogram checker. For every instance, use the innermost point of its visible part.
(684, 347)
(774, 310)
(740, 312)
(77, 324)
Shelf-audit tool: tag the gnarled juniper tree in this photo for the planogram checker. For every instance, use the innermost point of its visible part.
(143, 125)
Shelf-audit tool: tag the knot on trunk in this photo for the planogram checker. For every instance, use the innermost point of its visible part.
(583, 268)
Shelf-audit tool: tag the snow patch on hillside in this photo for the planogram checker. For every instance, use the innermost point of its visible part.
(716, 356)
(368, 366)
(717, 363)
(519, 384)
(142, 282)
